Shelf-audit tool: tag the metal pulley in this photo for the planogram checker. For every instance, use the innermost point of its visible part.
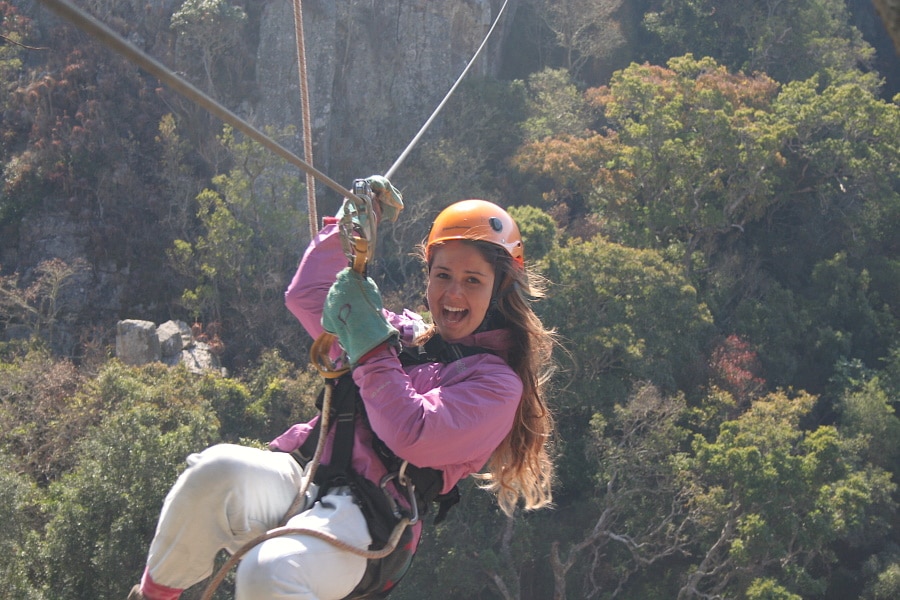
(358, 225)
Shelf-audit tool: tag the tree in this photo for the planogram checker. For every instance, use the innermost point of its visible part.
(14, 31)
(735, 368)
(43, 304)
(17, 507)
(555, 106)
(756, 188)
(477, 552)
(38, 417)
(586, 30)
(698, 154)
(642, 517)
(866, 414)
(839, 183)
(771, 499)
(624, 314)
(539, 235)
(786, 40)
(688, 155)
(207, 29)
(102, 513)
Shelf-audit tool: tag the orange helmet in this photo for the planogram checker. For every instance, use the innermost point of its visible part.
(477, 220)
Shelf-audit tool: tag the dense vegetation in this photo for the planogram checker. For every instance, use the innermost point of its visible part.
(718, 220)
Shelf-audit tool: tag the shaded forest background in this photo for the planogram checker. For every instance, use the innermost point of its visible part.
(710, 188)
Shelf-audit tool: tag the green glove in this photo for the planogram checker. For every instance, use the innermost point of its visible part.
(353, 313)
(388, 197)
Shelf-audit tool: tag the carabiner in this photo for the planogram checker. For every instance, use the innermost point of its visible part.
(406, 482)
(358, 225)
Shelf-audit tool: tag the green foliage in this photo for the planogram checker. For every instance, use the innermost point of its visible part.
(641, 513)
(41, 306)
(40, 413)
(104, 511)
(101, 513)
(697, 155)
(476, 553)
(859, 323)
(768, 589)
(624, 314)
(252, 232)
(773, 493)
(280, 395)
(866, 414)
(777, 201)
(888, 584)
(17, 508)
(14, 29)
(538, 231)
(840, 189)
(555, 106)
(786, 40)
(209, 31)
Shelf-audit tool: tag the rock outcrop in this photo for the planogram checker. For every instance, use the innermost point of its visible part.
(141, 342)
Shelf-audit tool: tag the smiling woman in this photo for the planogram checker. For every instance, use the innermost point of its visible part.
(463, 397)
(467, 243)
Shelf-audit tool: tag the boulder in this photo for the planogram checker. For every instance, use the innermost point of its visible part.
(136, 342)
(174, 336)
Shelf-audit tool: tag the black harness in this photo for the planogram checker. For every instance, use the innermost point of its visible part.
(381, 511)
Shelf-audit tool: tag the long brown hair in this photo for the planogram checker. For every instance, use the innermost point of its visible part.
(521, 467)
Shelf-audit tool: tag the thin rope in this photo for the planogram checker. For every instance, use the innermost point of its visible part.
(307, 125)
(104, 34)
(313, 465)
(389, 547)
(390, 172)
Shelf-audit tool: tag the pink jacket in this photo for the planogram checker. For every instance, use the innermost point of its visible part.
(444, 416)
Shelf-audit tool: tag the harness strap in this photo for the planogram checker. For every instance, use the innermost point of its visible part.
(346, 403)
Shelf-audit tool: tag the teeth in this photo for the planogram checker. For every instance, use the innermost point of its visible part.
(453, 309)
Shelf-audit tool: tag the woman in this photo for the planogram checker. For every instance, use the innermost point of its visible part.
(486, 408)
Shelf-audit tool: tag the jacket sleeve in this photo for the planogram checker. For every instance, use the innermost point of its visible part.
(458, 416)
(305, 295)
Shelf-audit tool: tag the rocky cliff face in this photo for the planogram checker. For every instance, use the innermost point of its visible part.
(376, 70)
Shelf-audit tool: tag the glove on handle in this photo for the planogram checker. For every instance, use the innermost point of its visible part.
(353, 312)
(389, 198)
(388, 201)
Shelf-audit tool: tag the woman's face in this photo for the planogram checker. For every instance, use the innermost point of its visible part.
(460, 285)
